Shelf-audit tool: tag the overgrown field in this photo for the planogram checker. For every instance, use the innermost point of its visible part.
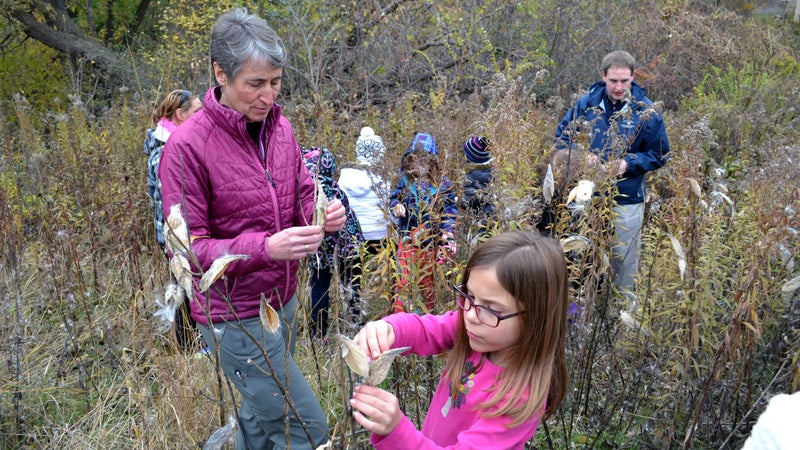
(86, 364)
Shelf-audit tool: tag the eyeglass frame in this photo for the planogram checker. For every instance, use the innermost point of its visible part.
(458, 290)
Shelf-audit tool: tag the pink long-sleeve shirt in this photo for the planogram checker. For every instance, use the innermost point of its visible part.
(453, 421)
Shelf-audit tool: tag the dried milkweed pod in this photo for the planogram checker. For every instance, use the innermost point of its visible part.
(320, 204)
(182, 271)
(574, 243)
(176, 232)
(222, 436)
(694, 186)
(791, 285)
(268, 316)
(216, 270)
(373, 371)
(582, 193)
(549, 185)
(678, 248)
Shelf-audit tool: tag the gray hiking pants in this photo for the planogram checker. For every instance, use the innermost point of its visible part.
(626, 249)
(263, 408)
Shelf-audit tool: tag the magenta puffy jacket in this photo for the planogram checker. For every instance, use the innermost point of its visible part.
(234, 201)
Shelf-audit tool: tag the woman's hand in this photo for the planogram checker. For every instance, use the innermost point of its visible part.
(295, 243)
(335, 216)
(375, 338)
(376, 410)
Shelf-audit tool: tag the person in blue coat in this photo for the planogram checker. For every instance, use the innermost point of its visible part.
(625, 131)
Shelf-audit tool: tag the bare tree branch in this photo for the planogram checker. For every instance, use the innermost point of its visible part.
(67, 38)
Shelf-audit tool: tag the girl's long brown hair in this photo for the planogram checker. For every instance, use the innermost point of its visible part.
(531, 267)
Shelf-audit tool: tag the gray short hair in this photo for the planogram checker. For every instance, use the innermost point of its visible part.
(238, 37)
(619, 59)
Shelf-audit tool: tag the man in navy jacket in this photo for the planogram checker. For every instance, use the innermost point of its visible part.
(625, 131)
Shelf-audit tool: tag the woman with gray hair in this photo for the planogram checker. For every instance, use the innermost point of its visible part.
(237, 173)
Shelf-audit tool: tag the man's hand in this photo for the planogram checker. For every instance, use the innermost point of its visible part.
(623, 167)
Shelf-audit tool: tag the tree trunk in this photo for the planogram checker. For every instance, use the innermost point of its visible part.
(73, 42)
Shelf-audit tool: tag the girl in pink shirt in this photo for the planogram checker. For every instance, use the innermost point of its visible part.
(506, 363)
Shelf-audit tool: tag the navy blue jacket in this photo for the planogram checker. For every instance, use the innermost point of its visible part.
(635, 132)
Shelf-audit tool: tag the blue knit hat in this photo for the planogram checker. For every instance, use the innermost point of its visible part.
(477, 150)
(423, 141)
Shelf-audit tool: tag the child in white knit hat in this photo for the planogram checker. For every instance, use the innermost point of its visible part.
(367, 190)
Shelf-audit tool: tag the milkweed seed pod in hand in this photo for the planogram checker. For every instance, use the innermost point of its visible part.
(373, 371)
(320, 204)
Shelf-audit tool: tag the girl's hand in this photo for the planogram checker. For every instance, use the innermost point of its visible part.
(376, 410)
(375, 338)
(335, 216)
(295, 243)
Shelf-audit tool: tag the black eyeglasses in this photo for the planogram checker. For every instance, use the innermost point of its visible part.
(487, 316)
(184, 96)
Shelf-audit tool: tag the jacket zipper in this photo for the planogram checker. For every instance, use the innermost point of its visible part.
(275, 206)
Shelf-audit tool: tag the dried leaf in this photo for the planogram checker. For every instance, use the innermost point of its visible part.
(320, 204)
(791, 285)
(217, 269)
(549, 185)
(176, 233)
(268, 315)
(676, 246)
(751, 327)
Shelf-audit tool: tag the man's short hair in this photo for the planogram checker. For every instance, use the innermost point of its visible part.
(618, 58)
